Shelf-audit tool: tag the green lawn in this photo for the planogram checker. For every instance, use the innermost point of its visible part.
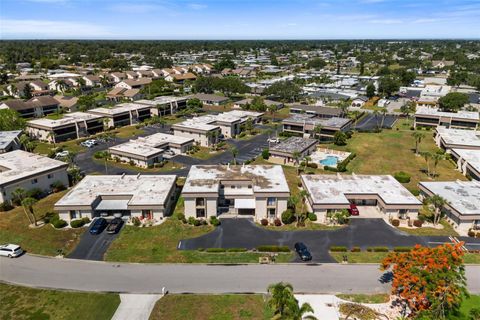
(128, 132)
(377, 257)
(44, 240)
(365, 298)
(211, 307)
(27, 303)
(71, 145)
(392, 151)
(309, 225)
(169, 166)
(205, 153)
(426, 231)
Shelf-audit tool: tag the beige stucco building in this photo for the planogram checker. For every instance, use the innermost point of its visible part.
(260, 191)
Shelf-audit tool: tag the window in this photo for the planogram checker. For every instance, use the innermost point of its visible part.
(50, 176)
(233, 187)
(199, 202)
(34, 181)
(271, 201)
(73, 214)
(200, 213)
(249, 186)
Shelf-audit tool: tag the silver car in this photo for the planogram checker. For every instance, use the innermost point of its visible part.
(10, 250)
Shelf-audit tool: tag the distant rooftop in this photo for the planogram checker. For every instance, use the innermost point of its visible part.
(463, 196)
(6, 137)
(312, 120)
(134, 148)
(293, 144)
(139, 189)
(19, 164)
(68, 118)
(207, 178)
(331, 189)
(119, 108)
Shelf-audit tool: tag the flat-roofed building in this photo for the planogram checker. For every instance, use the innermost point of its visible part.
(432, 117)
(21, 169)
(123, 114)
(72, 126)
(255, 116)
(329, 193)
(179, 145)
(468, 162)
(457, 139)
(463, 205)
(210, 99)
(142, 196)
(203, 133)
(35, 107)
(10, 140)
(260, 191)
(285, 151)
(305, 124)
(320, 112)
(165, 105)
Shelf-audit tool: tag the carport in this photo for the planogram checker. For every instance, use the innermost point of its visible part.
(245, 206)
(109, 207)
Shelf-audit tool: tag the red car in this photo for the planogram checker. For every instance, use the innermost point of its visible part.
(353, 210)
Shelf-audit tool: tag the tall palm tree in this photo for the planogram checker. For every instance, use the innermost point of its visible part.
(272, 109)
(355, 115)
(292, 202)
(284, 304)
(303, 195)
(317, 130)
(307, 159)
(24, 140)
(438, 203)
(19, 195)
(384, 113)
(296, 157)
(51, 135)
(234, 151)
(436, 157)
(418, 136)
(27, 205)
(426, 156)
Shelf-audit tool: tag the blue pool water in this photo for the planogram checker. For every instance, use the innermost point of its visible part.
(329, 161)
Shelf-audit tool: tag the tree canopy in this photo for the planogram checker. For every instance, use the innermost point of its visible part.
(453, 101)
(285, 90)
(11, 120)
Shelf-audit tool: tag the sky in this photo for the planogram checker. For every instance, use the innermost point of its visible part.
(239, 19)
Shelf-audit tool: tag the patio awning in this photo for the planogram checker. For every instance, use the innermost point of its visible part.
(112, 205)
(244, 203)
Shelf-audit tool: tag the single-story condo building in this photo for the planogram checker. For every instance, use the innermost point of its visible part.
(141, 196)
(304, 125)
(285, 151)
(21, 169)
(146, 151)
(468, 162)
(10, 140)
(457, 138)
(165, 105)
(260, 191)
(72, 126)
(463, 205)
(319, 112)
(330, 193)
(432, 117)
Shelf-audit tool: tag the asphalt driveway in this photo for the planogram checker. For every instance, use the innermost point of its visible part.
(363, 233)
(93, 247)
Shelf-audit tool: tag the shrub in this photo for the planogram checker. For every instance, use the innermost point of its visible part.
(265, 154)
(5, 206)
(57, 186)
(136, 221)
(288, 216)
(181, 217)
(214, 221)
(273, 249)
(338, 249)
(77, 223)
(356, 249)
(215, 250)
(237, 250)
(264, 222)
(86, 220)
(402, 249)
(198, 222)
(277, 222)
(312, 216)
(191, 220)
(418, 223)
(35, 193)
(471, 233)
(59, 223)
(99, 155)
(201, 249)
(395, 222)
(377, 249)
(312, 165)
(402, 177)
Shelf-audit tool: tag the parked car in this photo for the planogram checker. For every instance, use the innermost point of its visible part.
(302, 251)
(169, 152)
(87, 144)
(10, 250)
(114, 226)
(353, 210)
(62, 154)
(273, 140)
(98, 226)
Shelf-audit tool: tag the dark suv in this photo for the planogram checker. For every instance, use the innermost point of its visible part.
(98, 226)
(114, 226)
(302, 251)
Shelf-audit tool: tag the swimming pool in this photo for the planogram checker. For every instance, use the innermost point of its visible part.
(330, 161)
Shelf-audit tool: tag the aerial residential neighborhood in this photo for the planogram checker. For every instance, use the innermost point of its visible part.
(184, 160)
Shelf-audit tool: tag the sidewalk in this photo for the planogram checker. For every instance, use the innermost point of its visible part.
(135, 306)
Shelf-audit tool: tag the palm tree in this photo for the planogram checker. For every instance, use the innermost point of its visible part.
(376, 113)
(27, 205)
(284, 304)
(437, 202)
(426, 156)
(24, 140)
(296, 157)
(51, 135)
(292, 202)
(355, 115)
(436, 157)
(384, 112)
(234, 151)
(19, 195)
(317, 130)
(272, 108)
(303, 195)
(105, 155)
(418, 136)
(306, 159)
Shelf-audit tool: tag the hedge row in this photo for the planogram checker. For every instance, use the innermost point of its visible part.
(369, 249)
(273, 249)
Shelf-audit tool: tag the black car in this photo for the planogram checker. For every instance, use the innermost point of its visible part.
(302, 251)
(114, 226)
(98, 226)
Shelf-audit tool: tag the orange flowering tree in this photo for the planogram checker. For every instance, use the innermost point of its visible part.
(428, 281)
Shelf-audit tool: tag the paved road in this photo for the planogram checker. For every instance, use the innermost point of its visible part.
(243, 233)
(85, 275)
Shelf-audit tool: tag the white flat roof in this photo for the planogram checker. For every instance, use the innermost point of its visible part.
(168, 99)
(426, 111)
(459, 136)
(471, 156)
(120, 108)
(68, 118)
(463, 196)
(6, 137)
(331, 189)
(139, 189)
(265, 178)
(19, 164)
(195, 124)
(159, 139)
(244, 113)
(135, 148)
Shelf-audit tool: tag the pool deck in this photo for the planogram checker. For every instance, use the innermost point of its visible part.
(322, 154)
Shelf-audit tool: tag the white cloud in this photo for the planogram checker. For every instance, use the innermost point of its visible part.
(197, 6)
(386, 21)
(34, 29)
